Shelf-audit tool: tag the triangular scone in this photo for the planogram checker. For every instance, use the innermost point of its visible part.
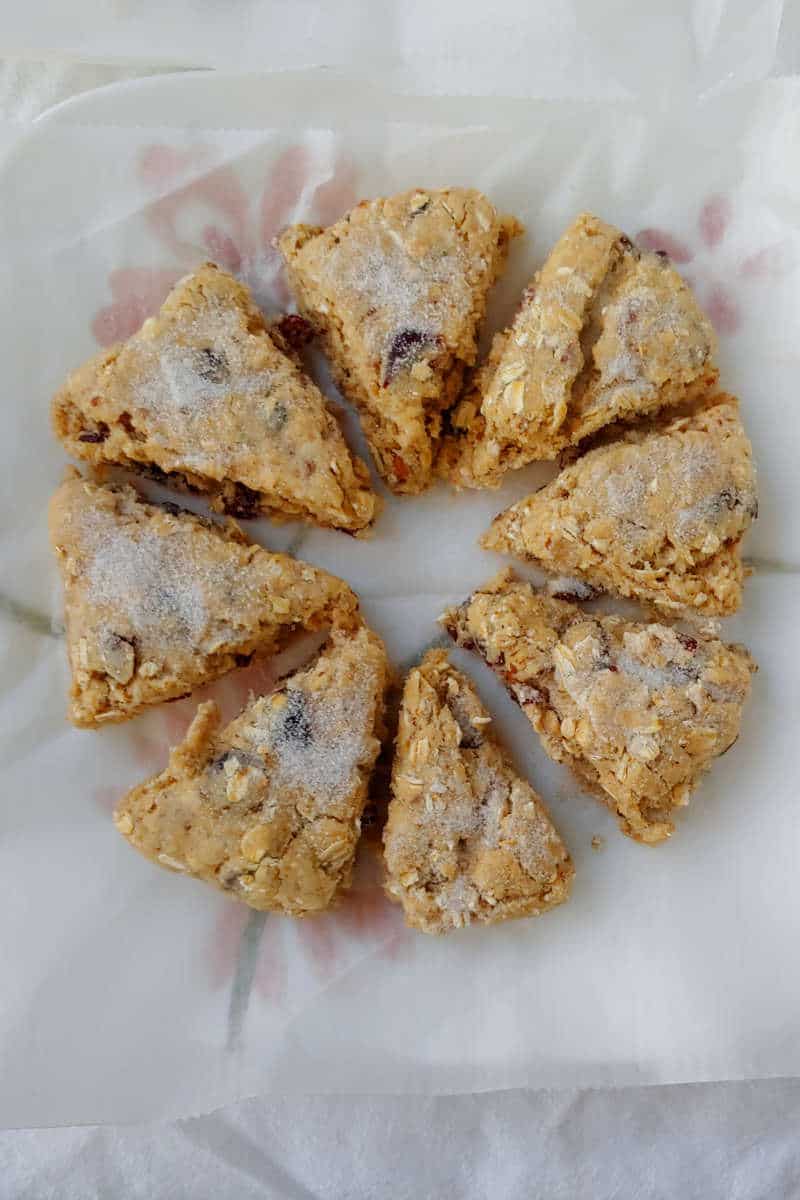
(606, 332)
(638, 710)
(269, 808)
(203, 394)
(466, 838)
(158, 601)
(397, 289)
(658, 516)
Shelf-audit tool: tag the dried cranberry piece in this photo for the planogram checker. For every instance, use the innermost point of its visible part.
(94, 435)
(244, 503)
(688, 643)
(295, 330)
(406, 347)
(400, 468)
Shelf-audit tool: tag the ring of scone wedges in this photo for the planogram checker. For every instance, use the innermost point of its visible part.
(607, 367)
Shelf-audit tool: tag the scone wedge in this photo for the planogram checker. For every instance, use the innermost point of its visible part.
(204, 396)
(658, 515)
(397, 289)
(466, 839)
(638, 710)
(606, 332)
(158, 601)
(268, 809)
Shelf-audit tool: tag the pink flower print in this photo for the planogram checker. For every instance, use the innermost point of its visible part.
(219, 190)
(160, 165)
(136, 293)
(318, 937)
(336, 196)
(253, 946)
(717, 289)
(722, 309)
(659, 239)
(715, 217)
(222, 248)
(245, 949)
(289, 175)
(204, 211)
(155, 734)
(278, 202)
(233, 691)
(369, 911)
(771, 262)
(363, 916)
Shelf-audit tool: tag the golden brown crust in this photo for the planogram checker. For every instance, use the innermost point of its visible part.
(203, 395)
(639, 711)
(658, 515)
(268, 809)
(158, 601)
(397, 290)
(605, 332)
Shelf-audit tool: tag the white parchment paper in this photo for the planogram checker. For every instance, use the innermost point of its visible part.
(573, 48)
(129, 993)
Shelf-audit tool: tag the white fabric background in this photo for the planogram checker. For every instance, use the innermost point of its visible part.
(712, 1142)
(736, 1141)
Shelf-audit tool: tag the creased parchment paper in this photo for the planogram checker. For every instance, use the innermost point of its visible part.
(574, 48)
(129, 993)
